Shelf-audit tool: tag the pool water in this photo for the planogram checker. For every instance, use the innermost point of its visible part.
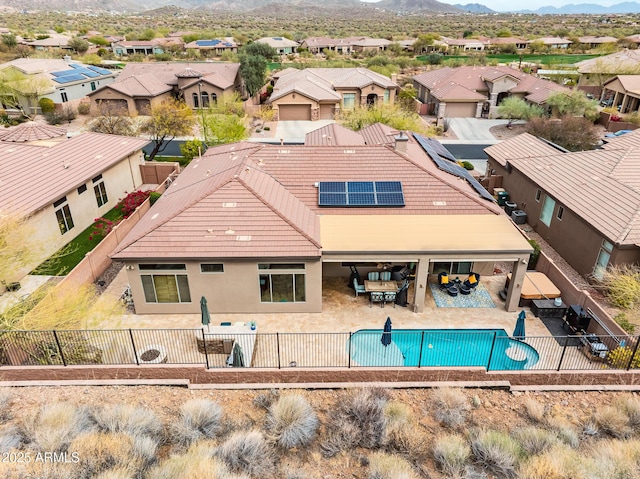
(490, 348)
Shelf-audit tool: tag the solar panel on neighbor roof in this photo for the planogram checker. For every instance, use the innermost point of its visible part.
(101, 71)
(360, 193)
(69, 78)
(452, 168)
(89, 73)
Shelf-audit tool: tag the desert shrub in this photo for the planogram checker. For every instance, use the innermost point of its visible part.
(624, 323)
(450, 406)
(199, 419)
(192, 148)
(5, 403)
(55, 425)
(621, 285)
(153, 197)
(535, 440)
(613, 421)
(291, 421)
(387, 466)
(359, 420)
(47, 105)
(129, 203)
(616, 459)
(10, 437)
(84, 108)
(535, 411)
(565, 431)
(247, 452)
(452, 453)
(560, 462)
(135, 421)
(496, 451)
(621, 358)
(265, 400)
(631, 407)
(100, 451)
(197, 463)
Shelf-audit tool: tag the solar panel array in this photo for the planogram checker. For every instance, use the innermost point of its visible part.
(360, 193)
(450, 165)
(79, 73)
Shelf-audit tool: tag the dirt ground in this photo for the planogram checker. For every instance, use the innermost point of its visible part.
(495, 409)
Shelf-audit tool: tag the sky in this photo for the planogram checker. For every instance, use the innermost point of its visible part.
(509, 5)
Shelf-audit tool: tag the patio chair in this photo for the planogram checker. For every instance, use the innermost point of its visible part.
(358, 288)
(385, 276)
(443, 280)
(390, 297)
(376, 297)
(373, 276)
(472, 281)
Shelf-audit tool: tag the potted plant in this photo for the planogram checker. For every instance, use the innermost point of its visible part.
(252, 324)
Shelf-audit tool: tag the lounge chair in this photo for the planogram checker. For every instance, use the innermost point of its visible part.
(358, 288)
(443, 280)
(472, 281)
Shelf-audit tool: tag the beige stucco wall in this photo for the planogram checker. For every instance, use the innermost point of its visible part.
(206, 87)
(297, 99)
(109, 94)
(118, 180)
(237, 290)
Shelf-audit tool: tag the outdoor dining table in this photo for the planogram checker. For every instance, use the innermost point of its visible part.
(380, 286)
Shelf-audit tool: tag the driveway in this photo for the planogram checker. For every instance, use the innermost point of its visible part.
(474, 129)
(294, 131)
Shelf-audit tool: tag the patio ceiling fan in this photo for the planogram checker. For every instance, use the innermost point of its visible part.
(384, 265)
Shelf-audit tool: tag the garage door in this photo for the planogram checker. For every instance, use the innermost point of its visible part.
(326, 112)
(294, 112)
(460, 110)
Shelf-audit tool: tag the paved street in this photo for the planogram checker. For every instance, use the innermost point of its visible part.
(474, 129)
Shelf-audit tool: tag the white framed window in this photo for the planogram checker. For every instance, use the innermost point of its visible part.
(100, 190)
(546, 213)
(282, 282)
(166, 288)
(63, 215)
(604, 255)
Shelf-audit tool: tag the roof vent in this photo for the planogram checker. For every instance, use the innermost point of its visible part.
(229, 232)
(229, 205)
(284, 152)
(439, 203)
(349, 151)
(210, 230)
(66, 165)
(243, 238)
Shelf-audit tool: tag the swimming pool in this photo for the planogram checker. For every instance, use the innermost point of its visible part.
(490, 348)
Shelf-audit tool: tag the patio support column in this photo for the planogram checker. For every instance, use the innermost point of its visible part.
(420, 286)
(515, 285)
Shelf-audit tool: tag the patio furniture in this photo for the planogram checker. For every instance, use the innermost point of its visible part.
(546, 308)
(443, 280)
(358, 288)
(536, 285)
(453, 290)
(465, 289)
(593, 348)
(376, 297)
(380, 286)
(472, 281)
(390, 297)
(385, 276)
(373, 276)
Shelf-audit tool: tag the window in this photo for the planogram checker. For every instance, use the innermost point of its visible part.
(560, 212)
(63, 94)
(166, 288)
(82, 189)
(453, 268)
(196, 103)
(349, 101)
(63, 214)
(212, 268)
(386, 96)
(606, 248)
(166, 267)
(93, 86)
(205, 99)
(282, 286)
(538, 193)
(546, 213)
(100, 190)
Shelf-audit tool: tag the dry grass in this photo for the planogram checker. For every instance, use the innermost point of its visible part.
(452, 453)
(613, 421)
(621, 285)
(387, 466)
(616, 459)
(560, 462)
(197, 463)
(292, 422)
(450, 406)
(5, 404)
(496, 451)
(535, 411)
(248, 453)
(535, 440)
(135, 421)
(199, 419)
(55, 425)
(631, 407)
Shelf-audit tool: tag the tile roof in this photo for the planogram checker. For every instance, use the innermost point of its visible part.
(592, 39)
(145, 85)
(31, 131)
(629, 140)
(521, 146)
(631, 83)
(453, 92)
(46, 174)
(619, 62)
(379, 134)
(333, 134)
(222, 75)
(278, 42)
(267, 195)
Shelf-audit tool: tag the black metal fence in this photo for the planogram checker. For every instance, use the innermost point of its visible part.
(491, 349)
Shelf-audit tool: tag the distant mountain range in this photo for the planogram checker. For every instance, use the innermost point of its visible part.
(586, 8)
(474, 8)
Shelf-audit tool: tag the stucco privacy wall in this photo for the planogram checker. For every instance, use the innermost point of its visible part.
(347, 377)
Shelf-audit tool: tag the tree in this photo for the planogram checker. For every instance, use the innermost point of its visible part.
(570, 132)
(9, 40)
(424, 41)
(222, 129)
(79, 45)
(253, 70)
(15, 85)
(113, 120)
(515, 108)
(169, 119)
(391, 115)
(260, 49)
(191, 148)
(18, 248)
(575, 103)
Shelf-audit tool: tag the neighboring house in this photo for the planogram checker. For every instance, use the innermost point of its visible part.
(595, 42)
(54, 41)
(142, 85)
(623, 93)
(476, 91)
(257, 228)
(62, 188)
(139, 47)
(553, 42)
(345, 46)
(596, 71)
(213, 47)
(60, 80)
(282, 45)
(584, 204)
(465, 44)
(365, 44)
(497, 42)
(319, 93)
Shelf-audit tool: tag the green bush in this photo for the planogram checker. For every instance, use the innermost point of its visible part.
(84, 108)
(467, 166)
(624, 323)
(46, 105)
(153, 197)
(533, 259)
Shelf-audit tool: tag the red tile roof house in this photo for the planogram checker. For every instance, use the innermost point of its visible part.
(141, 85)
(248, 226)
(585, 205)
(64, 187)
(319, 93)
(476, 91)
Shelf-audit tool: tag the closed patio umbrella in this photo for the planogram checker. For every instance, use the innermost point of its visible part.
(237, 358)
(204, 310)
(518, 332)
(386, 335)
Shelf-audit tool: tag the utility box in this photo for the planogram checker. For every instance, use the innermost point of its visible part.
(503, 197)
(510, 207)
(519, 217)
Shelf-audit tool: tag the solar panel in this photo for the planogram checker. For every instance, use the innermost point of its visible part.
(101, 71)
(89, 73)
(450, 166)
(69, 78)
(63, 73)
(360, 193)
